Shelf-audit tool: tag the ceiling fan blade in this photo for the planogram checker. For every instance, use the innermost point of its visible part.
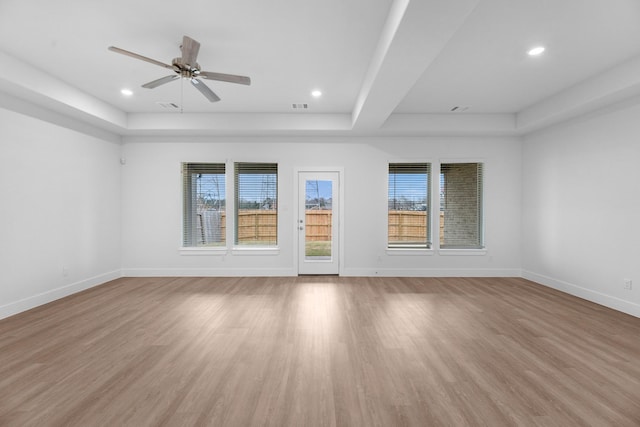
(231, 78)
(190, 49)
(204, 89)
(161, 81)
(142, 58)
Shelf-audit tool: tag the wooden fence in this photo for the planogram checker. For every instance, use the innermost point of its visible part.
(318, 225)
(261, 225)
(407, 226)
(254, 226)
(410, 226)
(257, 226)
(404, 226)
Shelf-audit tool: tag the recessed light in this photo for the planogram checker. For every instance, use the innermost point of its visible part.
(536, 51)
(126, 92)
(316, 93)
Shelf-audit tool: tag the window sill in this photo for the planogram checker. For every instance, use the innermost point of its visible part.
(462, 252)
(255, 251)
(199, 251)
(409, 252)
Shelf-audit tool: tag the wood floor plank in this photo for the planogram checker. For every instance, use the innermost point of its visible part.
(320, 351)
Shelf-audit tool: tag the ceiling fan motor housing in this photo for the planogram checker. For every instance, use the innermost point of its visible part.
(185, 70)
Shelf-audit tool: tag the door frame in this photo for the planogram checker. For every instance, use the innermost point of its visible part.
(340, 213)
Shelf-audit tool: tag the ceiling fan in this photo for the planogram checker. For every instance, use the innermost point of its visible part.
(187, 67)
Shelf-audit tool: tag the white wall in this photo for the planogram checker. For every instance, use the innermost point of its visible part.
(59, 212)
(581, 207)
(152, 203)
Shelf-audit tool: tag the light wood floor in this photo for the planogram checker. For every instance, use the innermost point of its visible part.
(320, 351)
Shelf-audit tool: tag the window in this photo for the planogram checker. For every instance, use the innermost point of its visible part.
(204, 204)
(409, 205)
(256, 197)
(461, 218)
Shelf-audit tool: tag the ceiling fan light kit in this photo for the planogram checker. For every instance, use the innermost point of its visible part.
(186, 67)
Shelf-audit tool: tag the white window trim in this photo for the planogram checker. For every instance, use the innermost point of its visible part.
(400, 251)
(258, 250)
(462, 252)
(202, 251)
(410, 252)
(436, 205)
(231, 226)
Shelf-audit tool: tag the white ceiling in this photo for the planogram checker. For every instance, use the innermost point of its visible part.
(384, 66)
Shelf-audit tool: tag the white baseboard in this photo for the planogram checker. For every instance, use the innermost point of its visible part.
(432, 272)
(207, 272)
(609, 301)
(54, 294)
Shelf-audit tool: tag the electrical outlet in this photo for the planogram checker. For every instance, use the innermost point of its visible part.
(65, 271)
(628, 285)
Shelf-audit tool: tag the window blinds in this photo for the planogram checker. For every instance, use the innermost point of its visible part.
(204, 204)
(256, 201)
(461, 194)
(409, 204)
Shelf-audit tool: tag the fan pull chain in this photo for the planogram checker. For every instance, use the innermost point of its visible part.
(181, 95)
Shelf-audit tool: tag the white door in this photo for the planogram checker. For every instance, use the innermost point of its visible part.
(318, 222)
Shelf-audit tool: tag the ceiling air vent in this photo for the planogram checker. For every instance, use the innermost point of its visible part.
(459, 109)
(168, 105)
(299, 106)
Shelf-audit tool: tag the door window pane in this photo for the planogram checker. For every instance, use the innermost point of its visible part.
(318, 219)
